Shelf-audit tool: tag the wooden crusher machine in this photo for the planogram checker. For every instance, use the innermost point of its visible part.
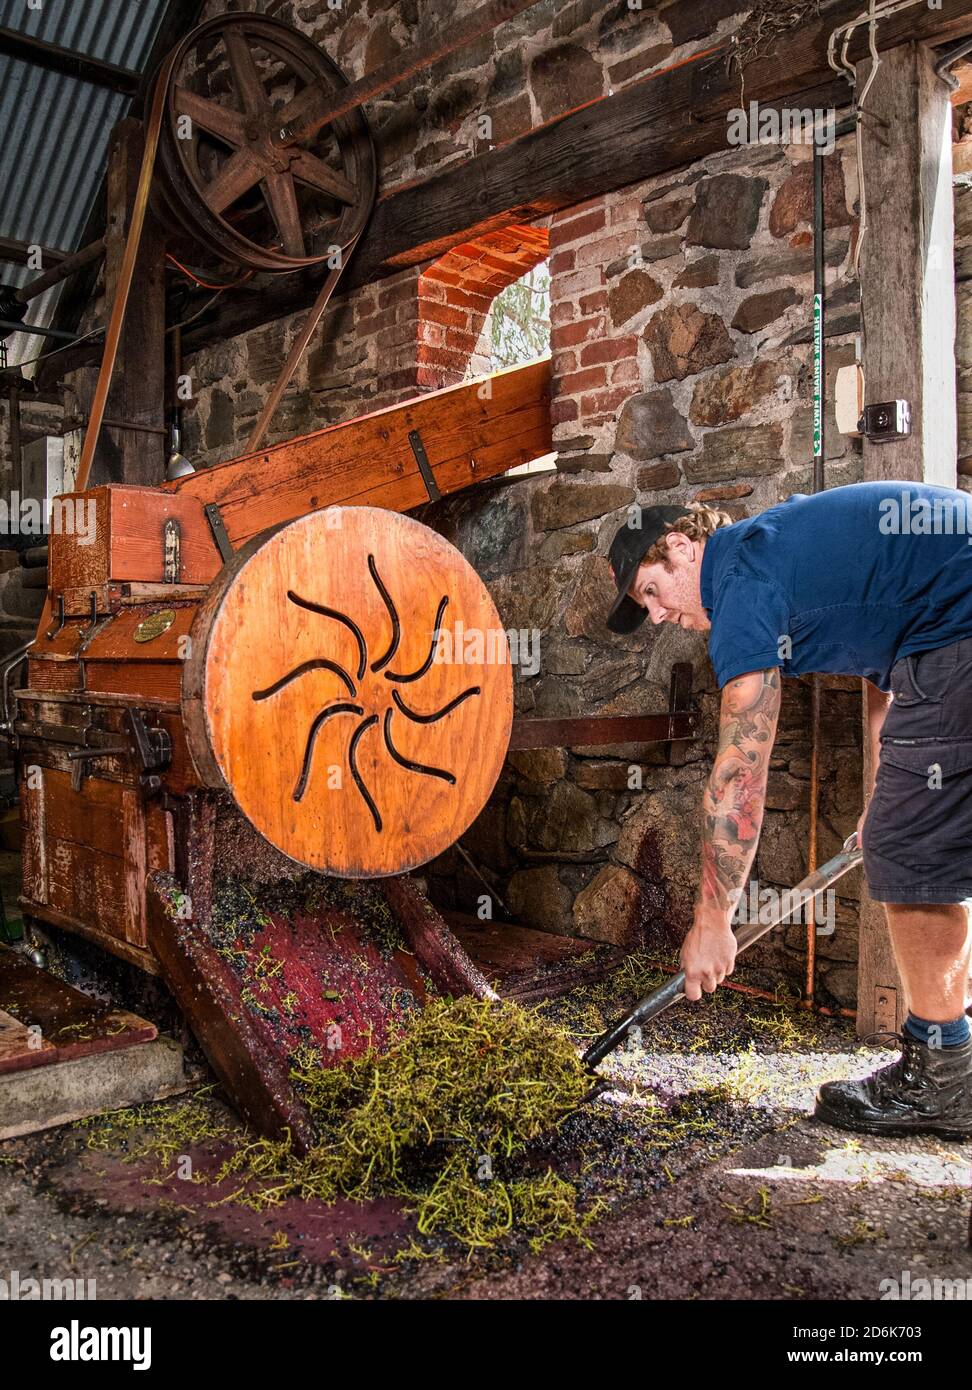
(260, 663)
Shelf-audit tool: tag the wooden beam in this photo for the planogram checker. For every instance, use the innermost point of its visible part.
(907, 264)
(605, 146)
(907, 284)
(663, 122)
(61, 267)
(471, 432)
(428, 936)
(255, 1074)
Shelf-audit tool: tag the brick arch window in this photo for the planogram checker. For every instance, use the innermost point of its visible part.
(455, 301)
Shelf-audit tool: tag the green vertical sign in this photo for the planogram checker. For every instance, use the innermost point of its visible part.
(817, 375)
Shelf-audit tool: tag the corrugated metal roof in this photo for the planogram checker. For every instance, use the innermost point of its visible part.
(56, 127)
(116, 31)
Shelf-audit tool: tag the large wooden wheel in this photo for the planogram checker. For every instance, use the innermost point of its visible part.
(225, 182)
(349, 684)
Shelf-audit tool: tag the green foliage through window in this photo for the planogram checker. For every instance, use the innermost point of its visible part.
(521, 319)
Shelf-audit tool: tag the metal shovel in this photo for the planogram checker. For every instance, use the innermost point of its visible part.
(806, 891)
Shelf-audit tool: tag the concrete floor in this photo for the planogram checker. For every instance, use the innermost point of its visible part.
(716, 1184)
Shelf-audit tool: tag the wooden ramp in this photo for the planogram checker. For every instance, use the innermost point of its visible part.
(65, 1055)
(319, 979)
(44, 1021)
(527, 965)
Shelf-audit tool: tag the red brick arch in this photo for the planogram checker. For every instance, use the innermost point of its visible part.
(456, 293)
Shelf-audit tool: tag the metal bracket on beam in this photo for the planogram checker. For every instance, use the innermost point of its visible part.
(222, 540)
(171, 551)
(58, 623)
(425, 468)
(94, 617)
(945, 64)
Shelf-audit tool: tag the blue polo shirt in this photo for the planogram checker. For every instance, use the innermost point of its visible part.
(844, 581)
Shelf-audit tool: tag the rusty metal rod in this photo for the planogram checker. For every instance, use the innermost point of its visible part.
(766, 994)
(297, 350)
(311, 109)
(811, 972)
(473, 868)
(819, 485)
(61, 271)
(39, 330)
(77, 421)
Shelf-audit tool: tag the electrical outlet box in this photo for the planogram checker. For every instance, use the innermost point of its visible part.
(886, 421)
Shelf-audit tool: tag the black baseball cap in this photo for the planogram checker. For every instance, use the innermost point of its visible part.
(629, 547)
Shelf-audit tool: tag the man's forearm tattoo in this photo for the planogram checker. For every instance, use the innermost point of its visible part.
(732, 807)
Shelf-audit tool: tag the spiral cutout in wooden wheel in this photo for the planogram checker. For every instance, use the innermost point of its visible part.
(349, 684)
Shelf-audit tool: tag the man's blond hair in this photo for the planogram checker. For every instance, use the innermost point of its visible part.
(698, 527)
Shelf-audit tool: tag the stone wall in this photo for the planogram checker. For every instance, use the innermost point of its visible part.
(362, 358)
(681, 371)
(550, 59)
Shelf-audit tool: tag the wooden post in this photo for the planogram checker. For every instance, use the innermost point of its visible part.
(908, 294)
(138, 386)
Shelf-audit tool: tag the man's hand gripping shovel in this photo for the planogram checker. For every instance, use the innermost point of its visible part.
(805, 892)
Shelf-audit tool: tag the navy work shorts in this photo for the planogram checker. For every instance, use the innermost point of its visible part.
(917, 837)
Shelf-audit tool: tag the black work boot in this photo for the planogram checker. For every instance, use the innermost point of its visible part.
(927, 1090)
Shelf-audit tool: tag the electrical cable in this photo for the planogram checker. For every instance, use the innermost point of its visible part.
(872, 16)
(205, 284)
(859, 136)
(61, 347)
(198, 314)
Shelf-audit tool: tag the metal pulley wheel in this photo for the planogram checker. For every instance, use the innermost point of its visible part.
(226, 178)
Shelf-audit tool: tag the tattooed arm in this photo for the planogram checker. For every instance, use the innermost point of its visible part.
(732, 814)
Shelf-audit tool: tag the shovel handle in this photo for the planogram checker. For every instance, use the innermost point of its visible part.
(649, 1008)
(674, 989)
